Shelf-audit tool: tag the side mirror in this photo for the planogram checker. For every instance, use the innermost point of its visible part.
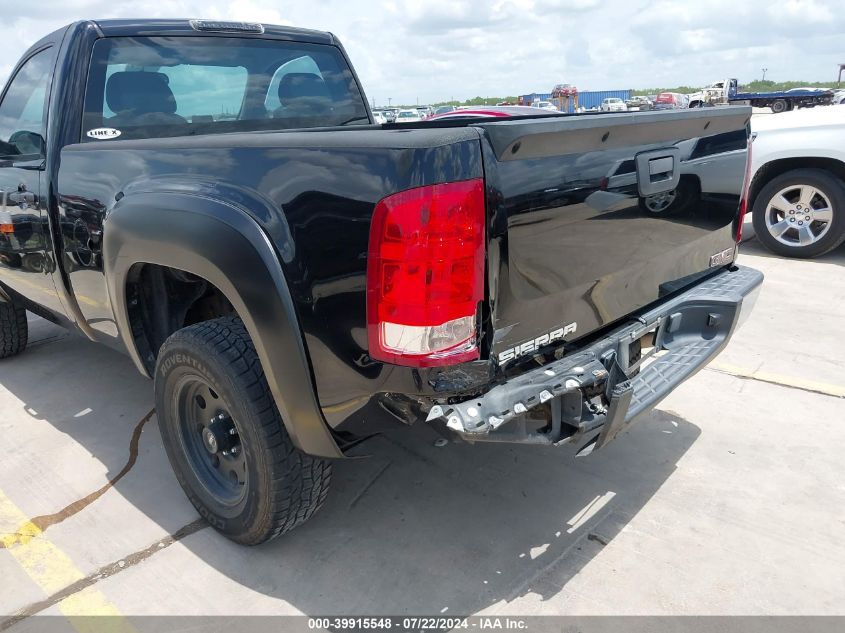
(27, 143)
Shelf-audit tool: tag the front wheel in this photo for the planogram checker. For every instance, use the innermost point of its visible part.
(225, 438)
(14, 330)
(801, 213)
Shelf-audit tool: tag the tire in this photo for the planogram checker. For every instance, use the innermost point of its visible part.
(213, 401)
(14, 331)
(769, 220)
(780, 105)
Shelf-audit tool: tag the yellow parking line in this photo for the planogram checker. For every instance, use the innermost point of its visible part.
(52, 569)
(79, 297)
(795, 382)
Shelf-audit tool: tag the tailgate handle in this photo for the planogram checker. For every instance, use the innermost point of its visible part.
(658, 171)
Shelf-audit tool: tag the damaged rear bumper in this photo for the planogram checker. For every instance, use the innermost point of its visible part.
(594, 392)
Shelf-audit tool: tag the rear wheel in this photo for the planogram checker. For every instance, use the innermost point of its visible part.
(225, 438)
(801, 213)
(780, 106)
(14, 330)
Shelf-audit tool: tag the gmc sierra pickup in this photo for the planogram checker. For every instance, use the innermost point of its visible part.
(215, 200)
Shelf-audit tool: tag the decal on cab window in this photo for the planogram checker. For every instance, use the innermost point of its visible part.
(103, 133)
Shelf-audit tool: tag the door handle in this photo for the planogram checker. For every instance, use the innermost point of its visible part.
(658, 170)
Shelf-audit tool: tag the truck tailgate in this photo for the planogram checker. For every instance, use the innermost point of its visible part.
(594, 217)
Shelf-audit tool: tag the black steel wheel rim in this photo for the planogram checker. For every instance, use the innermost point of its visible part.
(211, 440)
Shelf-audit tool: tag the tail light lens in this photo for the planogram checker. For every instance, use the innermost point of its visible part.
(425, 275)
(746, 186)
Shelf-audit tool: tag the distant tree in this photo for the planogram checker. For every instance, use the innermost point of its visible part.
(757, 85)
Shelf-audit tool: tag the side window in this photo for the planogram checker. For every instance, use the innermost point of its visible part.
(22, 120)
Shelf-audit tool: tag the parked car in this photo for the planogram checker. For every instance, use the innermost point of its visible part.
(293, 294)
(546, 105)
(493, 111)
(638, 103)
(613, 104)
(564, 90)
(444, 108)
(408, 116)
(798, 188)
(390, 114)
(669, 101)
(378, 117)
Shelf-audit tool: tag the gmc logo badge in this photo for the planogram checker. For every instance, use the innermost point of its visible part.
(722, 257)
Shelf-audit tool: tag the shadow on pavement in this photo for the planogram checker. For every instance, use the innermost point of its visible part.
(413, 529)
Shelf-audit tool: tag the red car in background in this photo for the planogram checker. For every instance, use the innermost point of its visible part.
(669, 101)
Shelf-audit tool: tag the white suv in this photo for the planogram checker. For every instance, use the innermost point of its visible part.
(613, 104)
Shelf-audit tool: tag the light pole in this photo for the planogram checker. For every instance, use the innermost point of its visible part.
(389, 99)
(764, 73)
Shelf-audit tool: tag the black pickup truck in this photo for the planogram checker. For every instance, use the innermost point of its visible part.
(215, 200)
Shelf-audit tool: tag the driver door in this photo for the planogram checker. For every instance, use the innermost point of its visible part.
(25, 262)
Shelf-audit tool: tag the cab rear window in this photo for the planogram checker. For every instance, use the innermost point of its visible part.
(149, 87)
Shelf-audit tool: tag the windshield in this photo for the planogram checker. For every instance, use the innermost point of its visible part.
(147, 87)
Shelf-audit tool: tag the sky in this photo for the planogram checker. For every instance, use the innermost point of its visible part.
(425, 51)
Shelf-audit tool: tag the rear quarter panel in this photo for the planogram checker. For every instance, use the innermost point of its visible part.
(313, 193)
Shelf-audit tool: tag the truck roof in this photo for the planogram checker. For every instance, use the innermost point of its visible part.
(134, 27)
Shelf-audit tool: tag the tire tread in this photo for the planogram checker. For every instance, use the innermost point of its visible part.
(14, 330)
(299, 482)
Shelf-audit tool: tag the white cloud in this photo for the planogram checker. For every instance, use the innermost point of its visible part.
(437, 49)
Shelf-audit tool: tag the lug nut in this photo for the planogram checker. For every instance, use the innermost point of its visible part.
(792, 219)
(807, 218)
(800, 223)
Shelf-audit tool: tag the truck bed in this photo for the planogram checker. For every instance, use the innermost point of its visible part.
(571, 245)
(780, 94)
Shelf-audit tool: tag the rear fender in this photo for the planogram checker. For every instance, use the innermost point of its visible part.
(223, 245)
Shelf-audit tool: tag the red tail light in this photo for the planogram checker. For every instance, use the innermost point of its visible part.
(425, 275)
(746, 186)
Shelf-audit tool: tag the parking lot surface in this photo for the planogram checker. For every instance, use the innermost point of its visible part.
(728, 499)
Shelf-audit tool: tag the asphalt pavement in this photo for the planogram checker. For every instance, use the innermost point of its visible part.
(727, 499)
